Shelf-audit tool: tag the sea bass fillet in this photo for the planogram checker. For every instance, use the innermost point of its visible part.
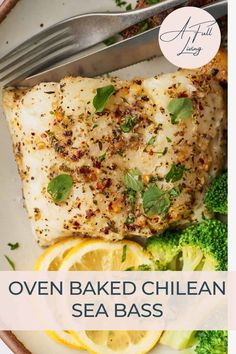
(110, 158)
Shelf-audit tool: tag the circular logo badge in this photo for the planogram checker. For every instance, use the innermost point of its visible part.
(189, 37)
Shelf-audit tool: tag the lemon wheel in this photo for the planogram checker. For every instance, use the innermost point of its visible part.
(99, 255)
(65, 338)
(118, 342)
(53, 256)
(51, 259)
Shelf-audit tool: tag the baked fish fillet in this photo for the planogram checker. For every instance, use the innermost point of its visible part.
(138, 167)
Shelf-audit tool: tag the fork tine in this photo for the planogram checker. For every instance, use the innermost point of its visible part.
(47, 45)
(30, 68)
(44, 52)
(43, 56)
(31, 44)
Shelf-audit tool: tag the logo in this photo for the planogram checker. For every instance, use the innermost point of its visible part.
(189, 37)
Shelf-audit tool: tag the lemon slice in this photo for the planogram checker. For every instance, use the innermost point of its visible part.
(118, 342)
(99, 255)
(65, 338)
(52, 258)
(102, 255)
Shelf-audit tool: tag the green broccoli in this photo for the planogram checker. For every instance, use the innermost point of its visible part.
(200, 342)
(216, 197)
(212, 342)
(204, 246)
(199, 247)
(164, 249)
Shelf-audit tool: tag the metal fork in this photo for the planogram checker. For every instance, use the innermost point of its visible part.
(71, 36)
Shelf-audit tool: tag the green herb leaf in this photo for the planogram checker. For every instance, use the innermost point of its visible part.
(151, 2)
(132, 180)
(132, 196)
(60, 187)
(162, 153)
(176, 173)
(130, 219)
(102, 157)
(102, 96)
(124, 250)
(175, 192)
(120, 3)
(110, 41)
(155, 201)
(144, 267)
(143, 26)
(130, 269)
(10, 262)
(13, 246)
(168, 139)
(128, 124)
(180, 108)
(152, 140)
(128, 7)
(95, 126)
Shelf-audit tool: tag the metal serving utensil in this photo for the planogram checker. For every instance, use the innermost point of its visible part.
(71, 36)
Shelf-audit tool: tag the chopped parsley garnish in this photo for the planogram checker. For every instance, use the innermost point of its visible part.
(130, 269)
(175, 192)
(132, 196)
(168, 139)
(128, 7)
(110, 41)
(144, 267)
(143, 26)
(124, 250)
(130, 219)
(162, 153)
(151, 2)
(152, 140)
(155, 201)
(13, 246)
(179, 109)
(128, 124)
(11, 263)
(102, 157)
(102, 97)
(132, 180)
(120, 3)
(95, 126)
(60, 187)
(176, 173)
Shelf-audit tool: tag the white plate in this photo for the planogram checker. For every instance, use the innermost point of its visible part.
(22, 23)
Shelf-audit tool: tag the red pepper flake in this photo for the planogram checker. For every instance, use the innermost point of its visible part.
(105, 230)
(77, 155)
(85, 170)
(97, 163)
(76, 225)
(182, 94)
(89, 214)
(200, 106)
(108, 183)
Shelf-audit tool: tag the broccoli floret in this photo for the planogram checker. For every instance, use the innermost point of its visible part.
(178, 339)
(212, 342)
(199, 247)
(204, 246)
(164, 249)
(216, 198)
